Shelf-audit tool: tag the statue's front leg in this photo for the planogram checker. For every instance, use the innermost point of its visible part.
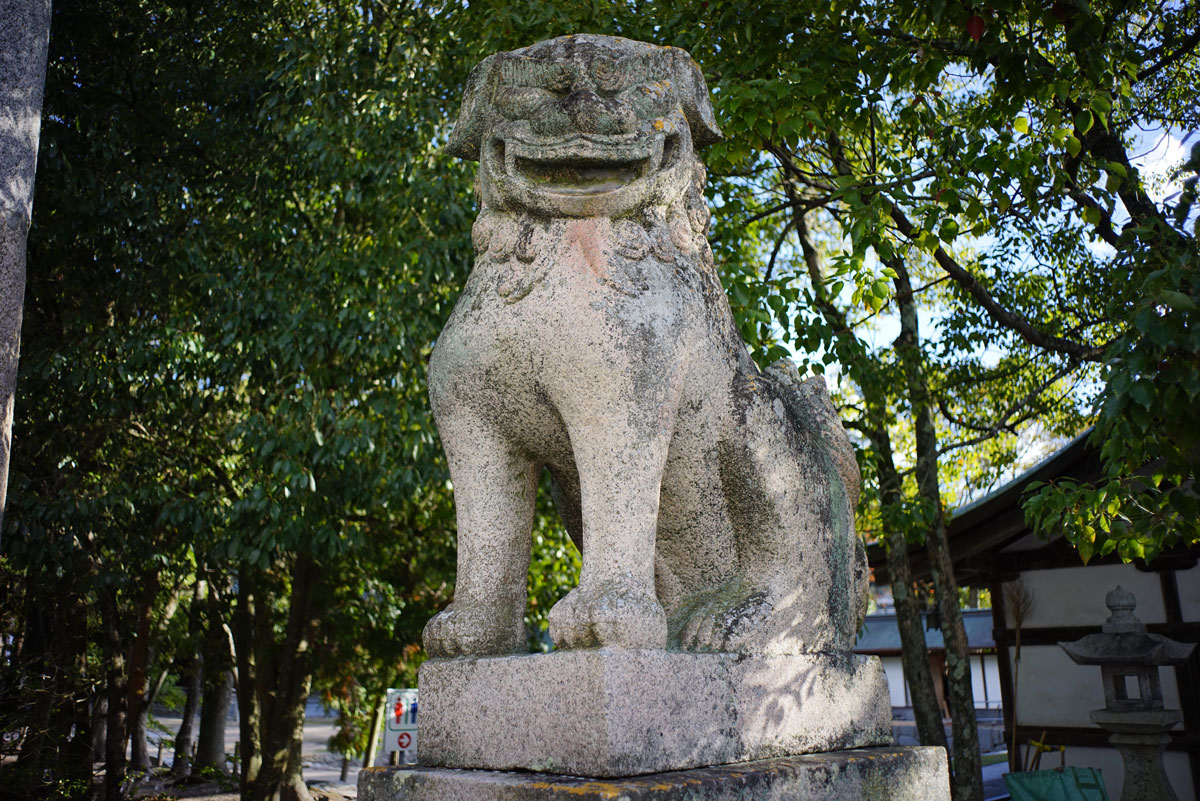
(620, 471)
(494, 491)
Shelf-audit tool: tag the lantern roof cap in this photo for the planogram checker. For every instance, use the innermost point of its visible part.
(1124, 640)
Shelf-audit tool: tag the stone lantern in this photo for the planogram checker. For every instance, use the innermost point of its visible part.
(1129, 660)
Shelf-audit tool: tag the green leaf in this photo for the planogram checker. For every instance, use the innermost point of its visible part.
(1177, 300)
(1143, 393)
(1021, 124)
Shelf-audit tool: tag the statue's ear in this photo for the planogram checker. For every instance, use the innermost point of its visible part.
(693, 97)
(474, 112)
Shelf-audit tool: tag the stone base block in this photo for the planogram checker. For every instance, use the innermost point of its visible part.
(868, 774)
(616, 712)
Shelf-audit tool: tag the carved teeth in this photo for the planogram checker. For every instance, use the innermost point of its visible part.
(582, 165)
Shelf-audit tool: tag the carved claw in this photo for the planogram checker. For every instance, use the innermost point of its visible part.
(609, 613)
(473, 630)
(718, 626)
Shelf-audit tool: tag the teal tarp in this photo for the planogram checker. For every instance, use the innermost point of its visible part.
(1062, 784)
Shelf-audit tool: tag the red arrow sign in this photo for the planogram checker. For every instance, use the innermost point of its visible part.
(404, 740)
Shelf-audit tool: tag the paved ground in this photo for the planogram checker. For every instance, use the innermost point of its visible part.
(993, 781)
(321, 768)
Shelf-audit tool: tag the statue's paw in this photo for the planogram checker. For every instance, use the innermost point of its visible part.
(609, 613)
(726, 628)
(473, 630)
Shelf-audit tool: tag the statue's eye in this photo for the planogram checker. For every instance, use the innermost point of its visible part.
(521, 102)
(612, 77)
(558, 82)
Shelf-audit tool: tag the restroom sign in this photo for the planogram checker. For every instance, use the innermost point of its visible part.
(400, 731)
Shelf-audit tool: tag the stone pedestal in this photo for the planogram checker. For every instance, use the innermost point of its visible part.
(1141, 738)
(617, 712)
(868, 774)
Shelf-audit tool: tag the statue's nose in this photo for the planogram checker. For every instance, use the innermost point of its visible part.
(592, 113)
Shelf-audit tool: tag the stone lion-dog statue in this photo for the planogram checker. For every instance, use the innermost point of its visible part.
(712, 502)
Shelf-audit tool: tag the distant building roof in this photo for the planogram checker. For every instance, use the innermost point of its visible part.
(881, 636)
(982, 533)
(990, 541)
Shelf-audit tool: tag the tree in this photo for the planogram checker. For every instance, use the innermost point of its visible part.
(227, 340)
(23, 43)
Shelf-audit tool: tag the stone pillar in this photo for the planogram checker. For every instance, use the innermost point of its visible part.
(24, 40)
(1145, 777)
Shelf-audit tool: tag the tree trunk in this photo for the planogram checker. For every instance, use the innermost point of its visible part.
(185, 738)
(248, 697)
(373, 735)
(139, 747)
(39, 698)
(79, 757)
(54, 663)
(24, 43)
(140, 758)
(292, 787)
(967, 780)
(214, 716)
(99, 724)
(218, 685)
(139, 665)
(914, 653)
(117, 679)
(283, 732)
(912, 636)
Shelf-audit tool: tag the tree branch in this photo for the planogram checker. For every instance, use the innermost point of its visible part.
(1006, 421)
(963, 278)
(1185, 47)
(998, 313)
(944, 45)
(775, 250)
(1104, 228)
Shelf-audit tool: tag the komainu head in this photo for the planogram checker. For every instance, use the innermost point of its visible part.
(584, 126)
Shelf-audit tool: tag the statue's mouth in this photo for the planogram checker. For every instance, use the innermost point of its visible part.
(586, 174)
(583, 164)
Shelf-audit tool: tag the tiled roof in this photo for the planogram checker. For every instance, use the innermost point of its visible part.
(880, 635)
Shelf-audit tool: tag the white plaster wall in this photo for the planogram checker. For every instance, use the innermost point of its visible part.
(1108, 760)
(1054, 691)
(991, 672)
(1074, 596)
(893, 668)
(1189, 592)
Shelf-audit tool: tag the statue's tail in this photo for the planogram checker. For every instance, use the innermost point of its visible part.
(813, 410)
(810, 404)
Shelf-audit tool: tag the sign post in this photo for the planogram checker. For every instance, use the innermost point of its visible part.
(400, 731)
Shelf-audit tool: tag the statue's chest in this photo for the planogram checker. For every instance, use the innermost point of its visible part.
(577, 303)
